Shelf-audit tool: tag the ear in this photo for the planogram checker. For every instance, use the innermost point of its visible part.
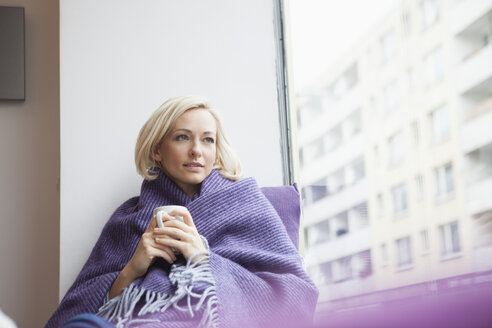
(157, 154)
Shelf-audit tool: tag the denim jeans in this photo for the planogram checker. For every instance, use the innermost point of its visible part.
(87, 320)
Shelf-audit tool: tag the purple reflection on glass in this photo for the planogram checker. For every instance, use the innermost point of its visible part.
(461, 301)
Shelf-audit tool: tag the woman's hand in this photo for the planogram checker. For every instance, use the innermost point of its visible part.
(147, 250)
(182, 236)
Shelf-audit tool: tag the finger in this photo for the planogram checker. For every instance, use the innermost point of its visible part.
(173, 233)
(179, 225)
(187, 219)
(152, 224)
(171, 242)
(165, 249)
(167, 217)
(157, 252)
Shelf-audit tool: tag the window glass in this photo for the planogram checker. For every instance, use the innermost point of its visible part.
(450, 240)
(430, 12)
(440, 124)
(419, 187)
(396, 148)
(392, 95)
(444, 181)
(434, 65)
(424, 235)
(404, 252)
(415, 133)
(388, 46)
(384, 254)
(392, 109)
(318, 233)
(399, 200)
(380, 205)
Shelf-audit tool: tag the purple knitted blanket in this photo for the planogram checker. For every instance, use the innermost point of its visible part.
(251, 277)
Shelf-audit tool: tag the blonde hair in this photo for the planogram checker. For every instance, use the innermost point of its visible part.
(163, 119)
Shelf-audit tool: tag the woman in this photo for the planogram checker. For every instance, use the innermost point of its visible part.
(234, 264)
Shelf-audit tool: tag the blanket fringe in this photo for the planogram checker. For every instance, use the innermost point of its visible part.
(120, 309)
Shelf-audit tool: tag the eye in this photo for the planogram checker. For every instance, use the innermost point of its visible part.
(181, 137)
(209, 140)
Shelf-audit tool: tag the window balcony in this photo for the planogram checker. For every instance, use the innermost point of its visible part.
(330, 206)
(344, 290)
(465, 13)
(334, 112)
(474, 76)
(332, 161)
(355, 242)
(477, 132)
(478, 196)
(477, 111)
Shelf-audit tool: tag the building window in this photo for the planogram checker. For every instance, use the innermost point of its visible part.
(392, 96)
(404, 252)
(354, 172)
(450, 241)
(342, 269)
(380, 204)
(415, 133)
(377, 156)
(399, 200)
(357, 217)
(419, 188)
(430, 12)
(396, 148)
(384, 254)
(434, 66)
(340, 224)
(321, 273)
(362, 264)
(412, 79)
(424, 237)
(388, 46)
(406, 22)
(373, 104)
(444, 181)
(352, 125)
(440, 124)
(336, 182)
(318, 233)
(318, 190)
(310, 111)
(313, 151)
(333, 139)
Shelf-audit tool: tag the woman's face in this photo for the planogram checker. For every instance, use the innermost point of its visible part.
(187, 153)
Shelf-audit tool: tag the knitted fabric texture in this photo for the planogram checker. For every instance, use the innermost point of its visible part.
(251, 275)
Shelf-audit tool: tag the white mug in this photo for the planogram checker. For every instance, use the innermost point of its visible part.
(158, 212)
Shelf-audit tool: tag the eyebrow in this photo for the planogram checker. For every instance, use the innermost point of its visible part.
(189, 131)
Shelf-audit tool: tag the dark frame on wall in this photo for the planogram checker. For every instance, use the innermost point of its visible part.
(12, 62)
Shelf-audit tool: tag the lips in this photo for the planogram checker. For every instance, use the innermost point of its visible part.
(193, 165)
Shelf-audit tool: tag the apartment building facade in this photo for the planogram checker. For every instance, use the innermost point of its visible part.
(396, 153)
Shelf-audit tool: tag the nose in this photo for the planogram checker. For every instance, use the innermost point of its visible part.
(195, 150)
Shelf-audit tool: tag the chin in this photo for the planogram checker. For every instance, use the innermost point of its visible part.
(196, 179)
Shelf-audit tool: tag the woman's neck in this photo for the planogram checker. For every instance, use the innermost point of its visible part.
(188, 189)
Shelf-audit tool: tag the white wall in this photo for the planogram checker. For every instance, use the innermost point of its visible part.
(119, 61)
(29, 171)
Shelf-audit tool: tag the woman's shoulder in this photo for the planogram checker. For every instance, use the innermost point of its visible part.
(127, 208)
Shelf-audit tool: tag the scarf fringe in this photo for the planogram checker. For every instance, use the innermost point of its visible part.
(121, 308)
